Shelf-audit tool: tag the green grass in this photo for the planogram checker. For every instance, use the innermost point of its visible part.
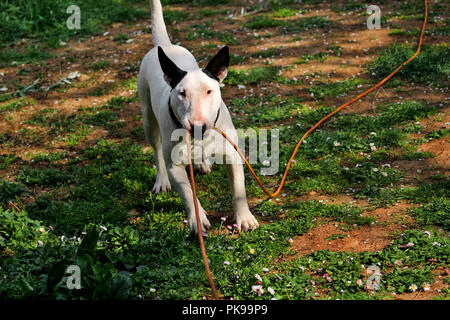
(284, 12)
(100, 65)
(335, 89)
(432, 65)
(94, 192)
(251, 76)
(15, 105)
(172, 16)
(349, 5)
(30, 55)
(46, 19)
(205, 30)
(437, 212)
(290, 26)
(319, 56)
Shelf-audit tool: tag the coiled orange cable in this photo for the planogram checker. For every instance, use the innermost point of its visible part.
(283, 179)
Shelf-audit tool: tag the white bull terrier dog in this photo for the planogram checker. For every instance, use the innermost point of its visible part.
(175, 93)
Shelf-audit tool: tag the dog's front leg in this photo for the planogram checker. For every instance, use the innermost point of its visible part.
(179, 179)
(244, 218)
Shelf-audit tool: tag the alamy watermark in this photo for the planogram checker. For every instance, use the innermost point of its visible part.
(74, 21)
(74, 279)
(374, 280)
(374, 20)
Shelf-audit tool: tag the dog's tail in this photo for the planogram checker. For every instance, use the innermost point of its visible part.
(159, 31)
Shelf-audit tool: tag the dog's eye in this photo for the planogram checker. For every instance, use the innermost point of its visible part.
(209, 92)
(183, 93)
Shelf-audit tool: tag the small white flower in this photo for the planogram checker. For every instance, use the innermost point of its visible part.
(258, 289)
(42, 230)
(265, 269)
(152, 290)
(40, 243)
(271, 291)
(103, 228)
(375, 169)
(413, 287)
(226, 263)
(336, 144)
(258, 277)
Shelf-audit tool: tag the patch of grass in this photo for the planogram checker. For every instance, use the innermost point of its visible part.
(10, 191)
(48, 157)
(15, 105)
(251, 76)
(264, 110)
(432, 65)
(172, 16)
(336, 89)
(31, 55)
(291, 26)
(272, 52)
(205, 31)
(99, 65)
(284, 12)
(418, 155)
(349, 5)
(46, 19)
(43, 177)
(210, 12)
(102, 89)
(121, 38)
(319, 56)
(263, 21)
(437, 212)
(437, 134)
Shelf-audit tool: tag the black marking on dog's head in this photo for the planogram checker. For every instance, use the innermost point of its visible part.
(209, 74)
(173, 74)
(217, 67)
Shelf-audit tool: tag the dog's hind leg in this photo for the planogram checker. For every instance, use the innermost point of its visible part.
(153, 136)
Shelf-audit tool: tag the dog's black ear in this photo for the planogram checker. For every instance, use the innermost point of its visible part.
(172, 74)
(218, 66)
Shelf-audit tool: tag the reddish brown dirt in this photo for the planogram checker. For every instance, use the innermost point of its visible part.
(365, 238)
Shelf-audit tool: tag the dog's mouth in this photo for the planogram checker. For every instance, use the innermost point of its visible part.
(197, 131)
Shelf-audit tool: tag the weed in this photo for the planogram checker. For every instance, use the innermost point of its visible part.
(432, 65)
(30, 55)
(252, 76)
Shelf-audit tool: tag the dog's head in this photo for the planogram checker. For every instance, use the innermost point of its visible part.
(195, 94)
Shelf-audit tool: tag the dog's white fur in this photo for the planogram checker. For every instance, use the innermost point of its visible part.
(196, 100)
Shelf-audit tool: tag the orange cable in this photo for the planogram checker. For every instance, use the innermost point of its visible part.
(283, 179)
(197, 216)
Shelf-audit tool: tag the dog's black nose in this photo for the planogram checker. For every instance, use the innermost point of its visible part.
(198, 131)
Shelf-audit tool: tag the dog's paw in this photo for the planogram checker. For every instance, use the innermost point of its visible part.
(203, 220)
(204, 167)
(162, 184)
(245, 221)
